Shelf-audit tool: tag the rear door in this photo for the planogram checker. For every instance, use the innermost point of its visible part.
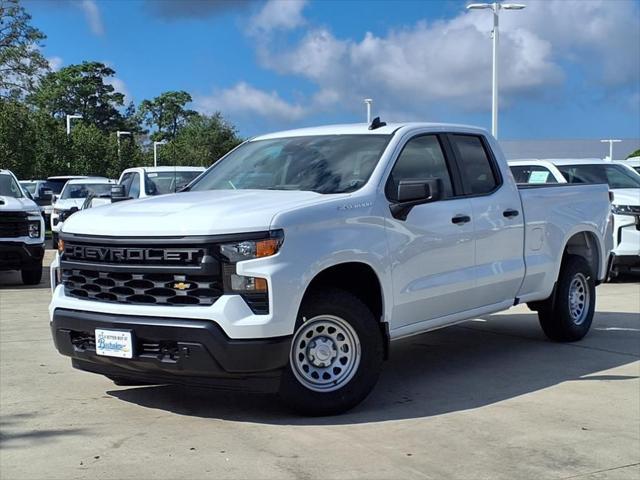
(432, 250)
(497, 217)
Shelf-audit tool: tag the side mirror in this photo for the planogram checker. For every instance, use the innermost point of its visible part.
(118, 193)
(414, 192)
(54, 198)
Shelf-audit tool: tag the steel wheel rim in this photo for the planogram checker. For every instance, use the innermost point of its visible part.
(579, 299)
(325, 353)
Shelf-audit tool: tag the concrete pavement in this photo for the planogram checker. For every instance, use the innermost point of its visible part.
(489, 398)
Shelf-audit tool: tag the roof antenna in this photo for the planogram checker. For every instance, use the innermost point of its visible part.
(376, 124)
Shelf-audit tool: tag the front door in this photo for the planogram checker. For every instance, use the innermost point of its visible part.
(433, 248)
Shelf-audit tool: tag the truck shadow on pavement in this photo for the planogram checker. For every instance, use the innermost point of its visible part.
(468, 366)
(12, 280)
(12, 434)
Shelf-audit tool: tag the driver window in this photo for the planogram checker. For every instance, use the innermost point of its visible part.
(421, 159)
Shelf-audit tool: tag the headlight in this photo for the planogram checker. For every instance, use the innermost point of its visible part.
(34, 213)
(250, 249)
(34, 229)
(625, 209)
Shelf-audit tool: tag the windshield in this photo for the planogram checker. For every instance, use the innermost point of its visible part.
(616, 176)
(9, 187)
(56, 186)
(82, 190)
(159, 183)
(29, 187)
(323, 164)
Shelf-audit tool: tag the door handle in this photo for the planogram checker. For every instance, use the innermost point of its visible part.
(510, 213)
(460, 219)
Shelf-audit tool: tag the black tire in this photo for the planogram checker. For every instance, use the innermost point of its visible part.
(561, 322)
(126, 382)
(32, 275)
(54, 241)
(341, 305)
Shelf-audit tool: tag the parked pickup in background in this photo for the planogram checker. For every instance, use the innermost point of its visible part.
(293, 262)
(623, 181)
(21, 231)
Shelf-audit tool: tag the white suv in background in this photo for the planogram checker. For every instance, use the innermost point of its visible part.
(73, 196)
(623, 181)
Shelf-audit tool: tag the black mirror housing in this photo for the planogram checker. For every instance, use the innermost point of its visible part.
(414, 192)
(118, 193)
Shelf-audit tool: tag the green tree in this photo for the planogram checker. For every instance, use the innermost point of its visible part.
(17, 151)
(201, 142)
(81, 89)
(21, 62)
(166, 114)
(634, 154)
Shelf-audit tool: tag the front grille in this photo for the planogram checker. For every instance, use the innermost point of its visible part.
(142, 273)
(13, 224)
(141, 288)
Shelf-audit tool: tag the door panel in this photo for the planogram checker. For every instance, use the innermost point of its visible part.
(432, 262)
(498, 222)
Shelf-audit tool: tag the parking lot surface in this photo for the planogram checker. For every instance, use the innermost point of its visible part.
(490, 398)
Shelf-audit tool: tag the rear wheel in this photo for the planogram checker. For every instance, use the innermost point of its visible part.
(336, 355)
(32, 275)
(568, 315)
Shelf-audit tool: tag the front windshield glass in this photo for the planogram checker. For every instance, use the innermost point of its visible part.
(9, 187)
(322, 163)
(159, 183)
(616, 176)
(83, 190)
(29, 187)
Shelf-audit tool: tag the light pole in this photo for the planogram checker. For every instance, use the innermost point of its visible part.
(69, 118)
(368, 102)
(155, 151)
(118, 134)
(496, 7)
(610, 141)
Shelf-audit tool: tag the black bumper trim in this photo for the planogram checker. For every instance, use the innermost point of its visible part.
(189, 351)
(16, 255)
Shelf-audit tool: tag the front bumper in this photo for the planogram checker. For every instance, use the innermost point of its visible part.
(16, 255)
(194, 352)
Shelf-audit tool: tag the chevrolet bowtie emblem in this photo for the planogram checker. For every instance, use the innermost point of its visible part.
(181, 286)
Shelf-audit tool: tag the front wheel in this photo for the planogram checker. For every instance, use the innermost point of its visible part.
(568, 318)
(336, 355)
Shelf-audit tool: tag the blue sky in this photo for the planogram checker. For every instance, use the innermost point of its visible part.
(569, 69)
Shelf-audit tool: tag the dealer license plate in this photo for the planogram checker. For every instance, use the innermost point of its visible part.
(114, 343)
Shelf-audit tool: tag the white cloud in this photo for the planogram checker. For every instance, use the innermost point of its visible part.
(277, 15)
(119, 85)
(432, 66)
(243, 100)
(92, 15)
(55, 63)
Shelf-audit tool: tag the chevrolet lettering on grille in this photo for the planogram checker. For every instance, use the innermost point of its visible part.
(116, 254)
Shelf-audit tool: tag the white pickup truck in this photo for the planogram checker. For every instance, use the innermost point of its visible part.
(293, 262)
(21, 231)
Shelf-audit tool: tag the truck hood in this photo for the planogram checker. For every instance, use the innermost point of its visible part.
(626, 196)
(11, 204)
(190, 213)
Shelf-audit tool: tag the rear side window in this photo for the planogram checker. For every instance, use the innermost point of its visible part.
(475, 164)
(532, 174)
(421, 159)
